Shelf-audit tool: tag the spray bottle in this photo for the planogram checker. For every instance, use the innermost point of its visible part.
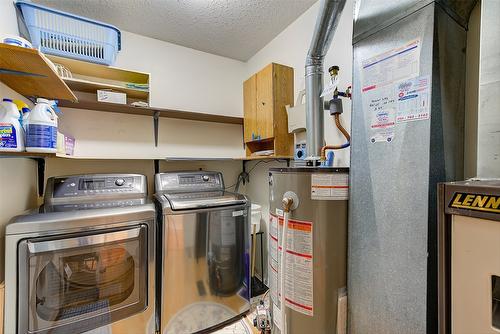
(11, 131)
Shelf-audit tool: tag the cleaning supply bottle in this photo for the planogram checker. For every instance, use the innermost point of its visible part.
(11, 131)
(41, 128)
(24, 111)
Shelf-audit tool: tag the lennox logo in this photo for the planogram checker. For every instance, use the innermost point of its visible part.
(478, 202)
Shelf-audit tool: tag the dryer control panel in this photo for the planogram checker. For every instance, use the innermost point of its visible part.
(79, 188)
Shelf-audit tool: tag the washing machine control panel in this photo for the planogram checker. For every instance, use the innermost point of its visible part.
(96, 185)
(189, 181)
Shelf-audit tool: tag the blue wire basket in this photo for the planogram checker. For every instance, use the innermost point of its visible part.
(62, 34)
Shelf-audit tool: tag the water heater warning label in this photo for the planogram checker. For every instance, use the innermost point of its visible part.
(299, 263)
(273, 257)
(330, 186)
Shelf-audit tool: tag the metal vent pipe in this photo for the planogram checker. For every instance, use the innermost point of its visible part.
(326, 24)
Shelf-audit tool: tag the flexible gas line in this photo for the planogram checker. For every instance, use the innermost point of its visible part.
(336, 147)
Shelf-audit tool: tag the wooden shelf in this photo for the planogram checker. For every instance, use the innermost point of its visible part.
(64, 156)
(268, 157)
(107, 73)
(83, 85)
(127, 109)
(88, 77)
(43, 81)
(26, 155)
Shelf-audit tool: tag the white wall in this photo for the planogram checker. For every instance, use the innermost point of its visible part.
(290, 48)
(122, 136)
(8, 20)
(183, 78)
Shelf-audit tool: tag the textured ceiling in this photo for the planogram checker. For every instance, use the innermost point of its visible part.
(231, 28)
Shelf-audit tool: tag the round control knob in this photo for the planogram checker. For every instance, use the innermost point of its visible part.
(205, 178)
(119, 182)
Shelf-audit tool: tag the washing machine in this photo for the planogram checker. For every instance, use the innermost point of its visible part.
(203, 252)
(84, 261)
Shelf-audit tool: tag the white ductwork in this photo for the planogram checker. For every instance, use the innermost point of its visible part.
(326, 24)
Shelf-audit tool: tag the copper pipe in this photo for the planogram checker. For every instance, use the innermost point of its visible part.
(287, 204)
(336, 147)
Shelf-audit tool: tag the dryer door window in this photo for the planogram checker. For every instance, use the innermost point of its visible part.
(84, 282)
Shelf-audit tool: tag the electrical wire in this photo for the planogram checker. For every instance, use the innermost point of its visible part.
(245, 176)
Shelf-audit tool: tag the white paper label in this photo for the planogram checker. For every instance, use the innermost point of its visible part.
(299, 264)
(237, 213)
(273, 257)
(381, 75)
(68, 271)
(391, 66)
(330, 88)
(330, 186)
(413, 99)
(299, 267)
(277, 316)
(380, 104)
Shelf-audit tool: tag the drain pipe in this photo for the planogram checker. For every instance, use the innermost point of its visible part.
(326, 24)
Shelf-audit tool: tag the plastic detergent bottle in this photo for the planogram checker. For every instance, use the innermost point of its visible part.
(11, 132)
(24, 112)
(41, 128)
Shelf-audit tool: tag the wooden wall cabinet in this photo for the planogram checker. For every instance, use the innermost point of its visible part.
(265, 95)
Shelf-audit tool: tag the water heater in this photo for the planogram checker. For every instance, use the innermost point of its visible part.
(316, 247)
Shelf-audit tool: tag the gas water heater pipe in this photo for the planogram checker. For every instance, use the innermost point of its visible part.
(335, 107)
(326, 24)
(290, 202)
(336, 147)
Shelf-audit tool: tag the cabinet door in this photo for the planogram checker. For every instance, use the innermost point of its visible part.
(250, 108)
(264, 124)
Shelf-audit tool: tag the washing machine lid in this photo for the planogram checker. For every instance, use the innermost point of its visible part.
(202, 200)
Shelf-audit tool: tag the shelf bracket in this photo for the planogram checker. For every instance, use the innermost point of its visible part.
(156, 117)
(157, 166)
(41, 174)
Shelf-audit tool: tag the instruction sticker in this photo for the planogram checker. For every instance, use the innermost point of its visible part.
(273, 257)
(381, 77)
(413, 98)
(277, 316)
(299, 267)
(299, 263)
(330, 186)
(391, 66)
(381, 106)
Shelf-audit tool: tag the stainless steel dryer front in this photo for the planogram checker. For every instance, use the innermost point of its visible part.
(85, 261)
(204, 251)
